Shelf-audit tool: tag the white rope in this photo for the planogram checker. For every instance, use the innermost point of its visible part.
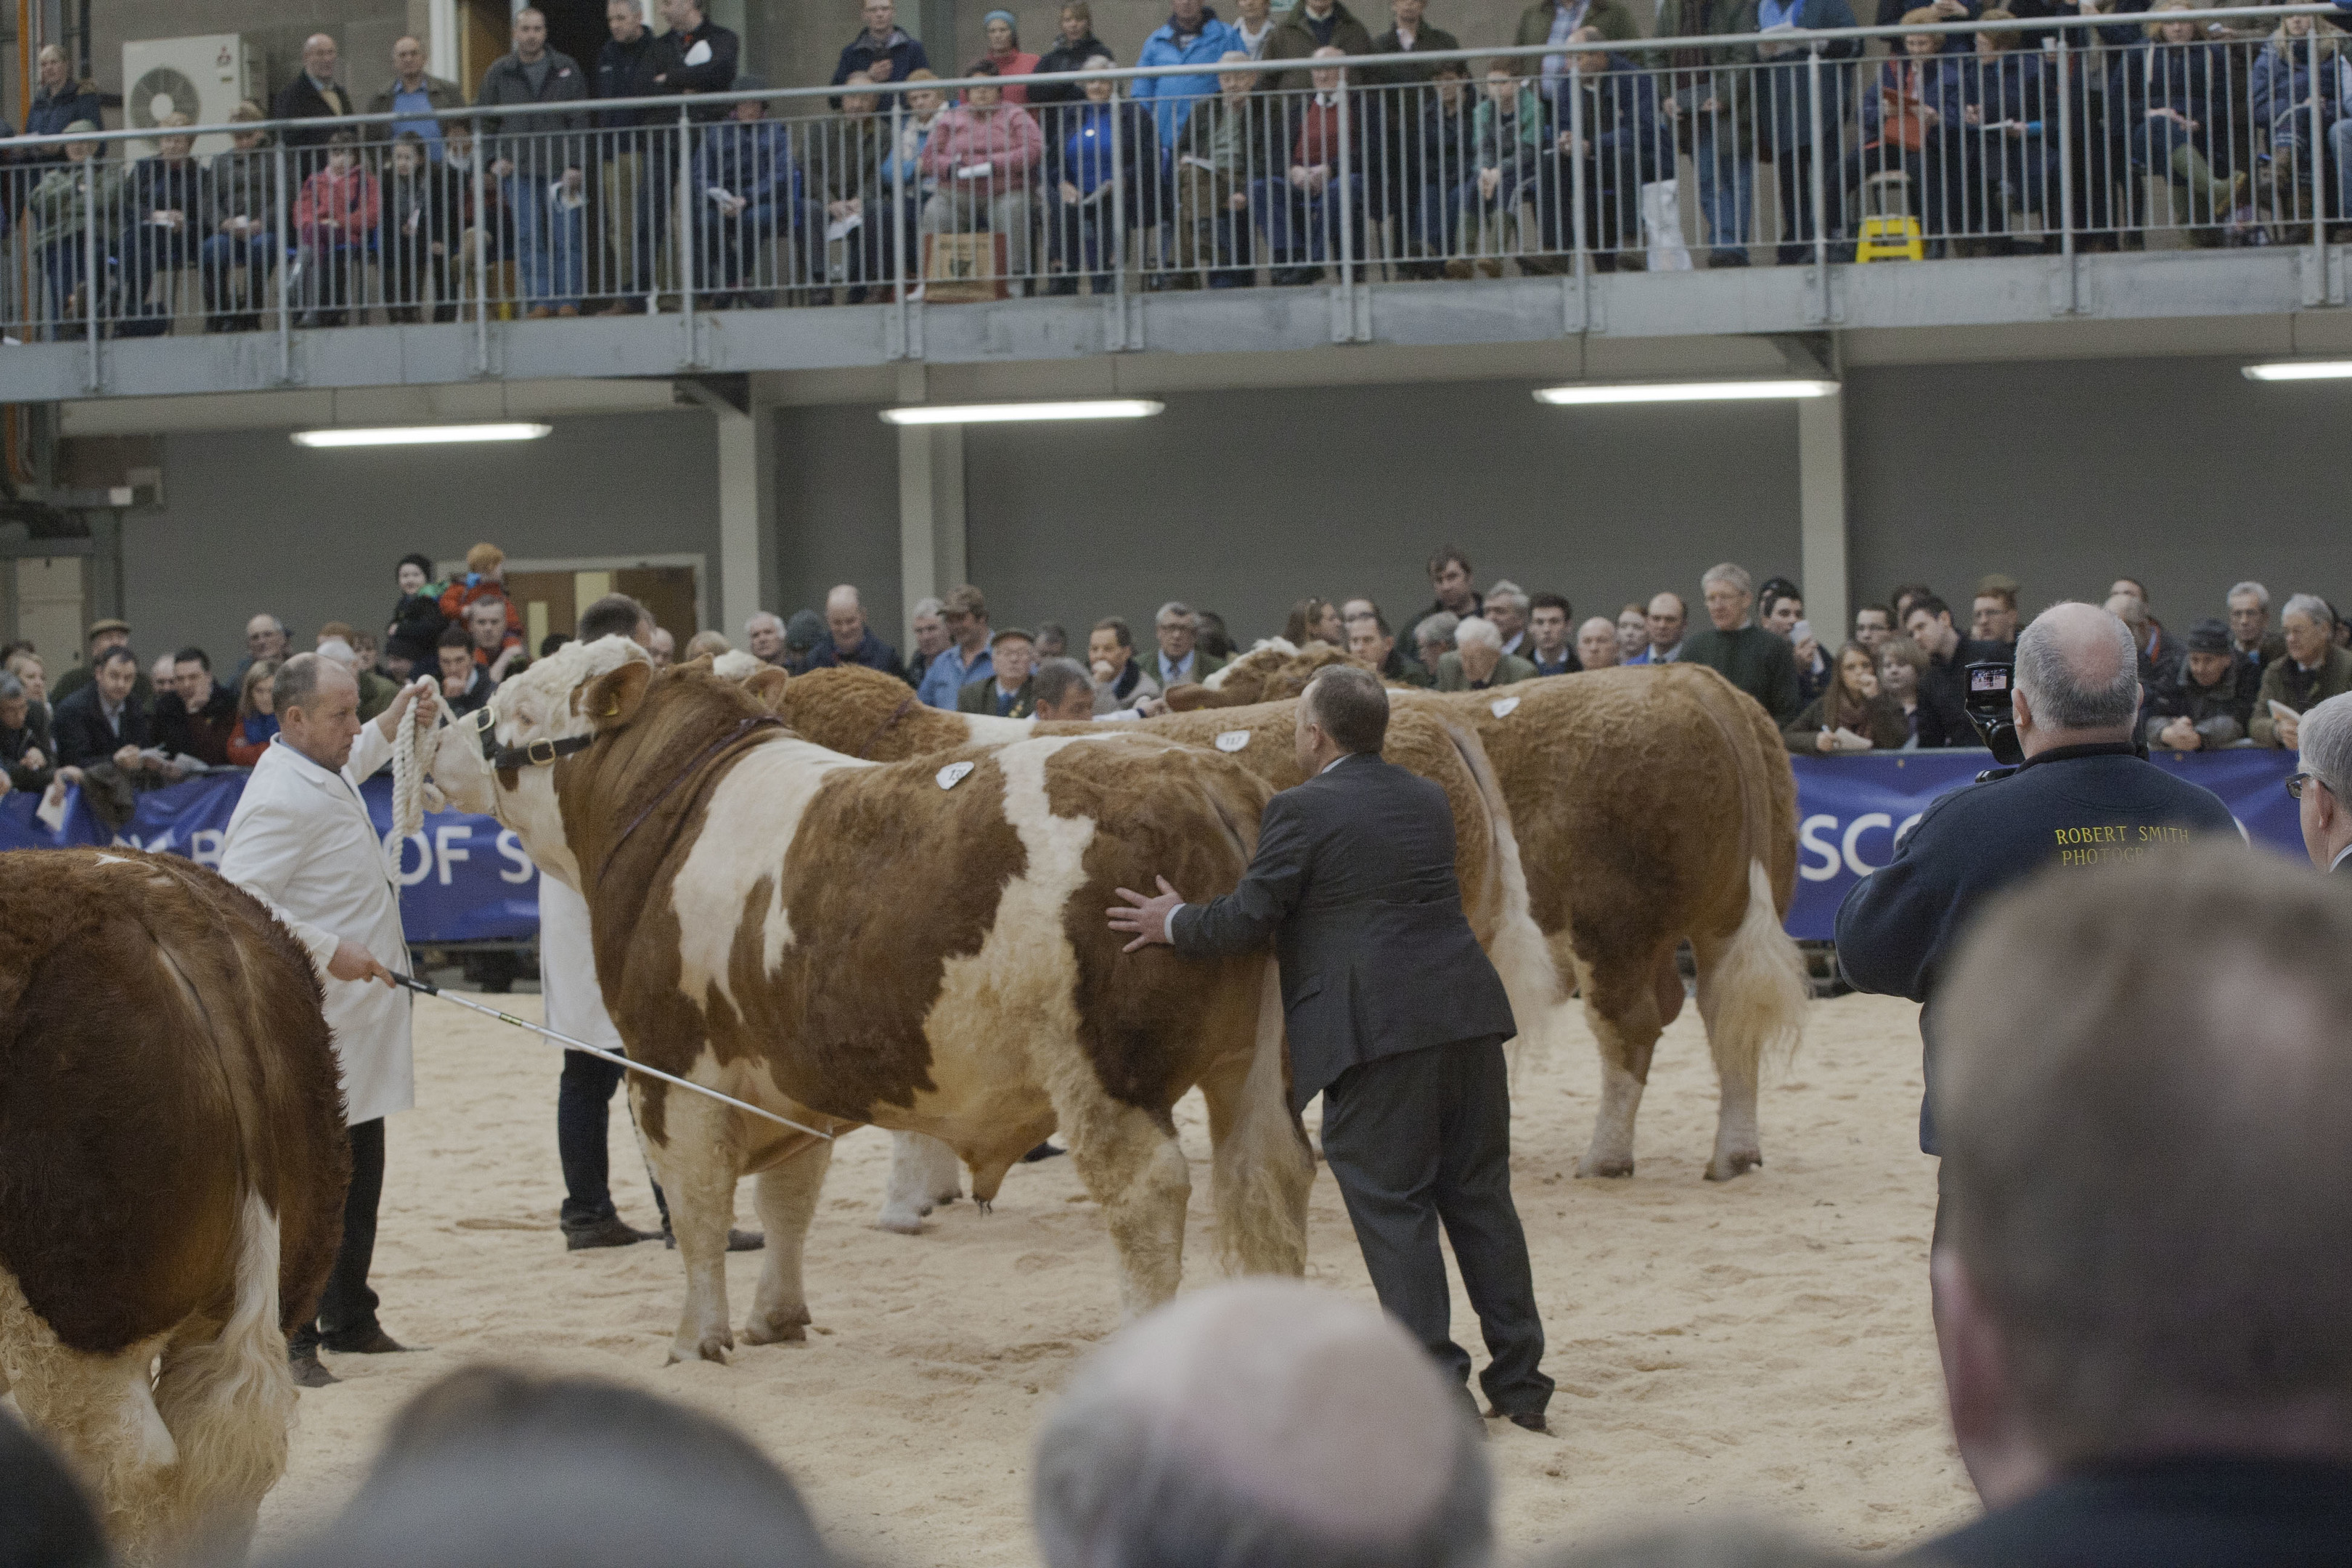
(407, 772)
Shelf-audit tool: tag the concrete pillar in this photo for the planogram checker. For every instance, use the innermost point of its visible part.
(747, 517)
(931, 506)
(1821, 506)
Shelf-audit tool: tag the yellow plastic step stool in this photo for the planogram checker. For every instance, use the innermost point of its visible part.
(1891, 238)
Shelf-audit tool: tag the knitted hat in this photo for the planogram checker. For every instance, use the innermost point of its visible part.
(2210, 634)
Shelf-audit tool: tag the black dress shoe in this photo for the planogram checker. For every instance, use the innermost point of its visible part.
(1042, 1152)
(610, 1231)
(1533, 1420)
(309, 1372)
(369, 1340)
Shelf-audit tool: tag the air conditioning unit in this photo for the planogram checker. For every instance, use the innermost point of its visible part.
(203, 78)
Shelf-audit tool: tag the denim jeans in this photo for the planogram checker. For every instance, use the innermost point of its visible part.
(1727, 184)
(221, 256)
(550, 244)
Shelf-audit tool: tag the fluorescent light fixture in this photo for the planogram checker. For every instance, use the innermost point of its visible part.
(1013, 413)
(2301, 370)
(419, 435)
(1684, 391)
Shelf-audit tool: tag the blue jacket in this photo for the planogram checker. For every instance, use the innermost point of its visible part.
(2279, 92)
(871, 651)
(946, 676)
(1171, 98)
(1940, 89)
(752, 160)
(2074, 806)
(51, 116)
(1782, 88)
(1621, 128)
(904, 52)
(2190, 78)
(2015, 85)
(1079, 148)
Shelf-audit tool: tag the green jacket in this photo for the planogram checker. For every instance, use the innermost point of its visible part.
(60, 203)
(1755, 661)
(2335, 678)
(980, 697)
(1614, 18)
(1527, 132)
(375, 694)
(1451, 678)
(1291, 40)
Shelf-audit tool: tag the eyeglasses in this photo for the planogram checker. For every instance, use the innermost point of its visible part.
(2297, 782)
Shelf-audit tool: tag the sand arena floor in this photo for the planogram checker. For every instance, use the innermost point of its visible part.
(1763, 1344)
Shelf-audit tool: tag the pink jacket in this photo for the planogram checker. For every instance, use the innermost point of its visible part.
(1005, 139)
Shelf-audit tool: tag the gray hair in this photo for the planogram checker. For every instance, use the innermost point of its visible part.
(1508, 594)
(929, 606)
(1174, 607)
(2327, 738)
(1055, 678)
(11, 687)
(2129, 608)
(1478, 632)
(769, 616)
(296, 682)
(2079, 674)
(1439, 628)
(2261, 595)
(1729, 571)
(2312, 609)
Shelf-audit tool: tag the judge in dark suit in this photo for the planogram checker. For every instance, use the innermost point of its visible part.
(2323, 784)
(1395, 1017)
(103, 721)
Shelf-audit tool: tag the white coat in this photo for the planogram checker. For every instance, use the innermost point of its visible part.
(573, 1002)
(301, 842)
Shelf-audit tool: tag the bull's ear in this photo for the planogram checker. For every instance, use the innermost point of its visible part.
(611, 700)
(701, 661)
(767, 687)
(1191, 697)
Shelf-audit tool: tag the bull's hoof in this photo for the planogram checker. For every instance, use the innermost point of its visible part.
(952, 1194)
(1724, 1167)
(1593, 1166)
(779, 1328)
(901, 1221)
(709, 1348)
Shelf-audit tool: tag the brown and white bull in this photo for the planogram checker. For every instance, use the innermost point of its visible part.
(921, 947)
(173, 1162)
(866, 713)
(1653, 806)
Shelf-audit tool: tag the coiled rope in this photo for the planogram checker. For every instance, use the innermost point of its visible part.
(408, 786)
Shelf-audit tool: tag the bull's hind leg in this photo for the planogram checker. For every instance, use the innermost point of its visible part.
(699, 1167)
(1132, 1166)
(786, 1199)
(1623, 1008)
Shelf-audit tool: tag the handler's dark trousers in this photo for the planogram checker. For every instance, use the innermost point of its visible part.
(583, 1099)
(1425, 1137)
(347, 1306)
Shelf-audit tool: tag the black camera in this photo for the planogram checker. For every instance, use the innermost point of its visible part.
(1989, 708)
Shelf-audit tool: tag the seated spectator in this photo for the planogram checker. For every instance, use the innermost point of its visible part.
(163, 217)
(1851, 715)
(1479, 661)
(27, 755)
(102, 635)
(1370, 640)
(2210, 701)
(424, 225)
(967, 657)
(1432, 639)
(466, 682)
(2011, 154)
(1181, 661)
(167, 668)
(2323, 785)
(764, 637)
(74, 200)
(240, 228)
(804, 635)
(493, 1468)
(335, 220)
(1992, 618)
(2313, 671)
(26, 665)
(498, 646)
(376, 693)
(1753, 660)
(1298, 209)
(1215, 641)
(1873, 626)
(1119, 682)
(752, 196)
(265, 637)
(1261, 1423)
(1314, 620)
(1632, 633)
(1669, 620)
(1913, 124)
(1901, 665)
(851, 164)
(2177, 100)
(1006, 690)
(1624, 145)
(485, 577)
(1449, 573)
(853, 641)
(256, 714)
(1596, 644)
(1905, 595)
(1065, 692)
(103, 735)
(1943, 718)
(1052, 642)
(1506, 133)
(2143, 1352)
(662, 647)
(1220, 152)
(49, 1523)
(2250, 623)
(1547, 636)
(707, 645)
(984, 153)
(197, 717)
(2157, 658)
(1101, 136)
(930, 636)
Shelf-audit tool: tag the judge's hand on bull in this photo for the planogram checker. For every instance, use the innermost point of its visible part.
(353, 960)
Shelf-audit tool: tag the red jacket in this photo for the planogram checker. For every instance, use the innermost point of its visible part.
(1006, 139)
(460, 593)
(350, 199)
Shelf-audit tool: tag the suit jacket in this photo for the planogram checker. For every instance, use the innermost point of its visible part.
(83, 735)
(1510, 668)
(1354, 883)
(301, 842)
(2165, 1513)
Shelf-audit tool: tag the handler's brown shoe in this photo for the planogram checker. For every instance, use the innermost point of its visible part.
(610, 1231)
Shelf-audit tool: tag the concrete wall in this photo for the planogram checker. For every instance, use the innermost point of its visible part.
(253, 523)
(837, 513)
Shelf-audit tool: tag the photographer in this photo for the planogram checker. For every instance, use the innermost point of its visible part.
(2083, 795)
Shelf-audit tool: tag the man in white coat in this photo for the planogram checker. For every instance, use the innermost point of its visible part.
(301, 842)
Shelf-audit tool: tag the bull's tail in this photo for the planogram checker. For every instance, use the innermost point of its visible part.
(1518, 951)
(1755, 995)
(1263, 1163)
(228, 1396)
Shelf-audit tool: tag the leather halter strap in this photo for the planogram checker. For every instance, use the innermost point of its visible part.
(865, 752)
(755, 722)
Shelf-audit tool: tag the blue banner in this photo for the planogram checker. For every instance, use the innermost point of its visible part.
(1853, 811)
(462, 878)
(465, 878)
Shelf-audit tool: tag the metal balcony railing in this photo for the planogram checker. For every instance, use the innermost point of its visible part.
(1989, 136)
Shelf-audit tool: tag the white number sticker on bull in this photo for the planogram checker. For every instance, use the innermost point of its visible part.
(1502, 706)
(1232, 740)
(953, 774)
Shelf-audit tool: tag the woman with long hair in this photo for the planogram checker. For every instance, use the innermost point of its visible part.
(1851, 715)
(257, 717)
(1315, 620)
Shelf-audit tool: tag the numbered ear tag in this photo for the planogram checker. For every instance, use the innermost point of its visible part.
(1232, 740)
(953, 774)
(1503, 707)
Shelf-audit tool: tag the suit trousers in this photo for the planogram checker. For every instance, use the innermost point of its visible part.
(583, 1100)
(348, 1306)
(1425, 1138)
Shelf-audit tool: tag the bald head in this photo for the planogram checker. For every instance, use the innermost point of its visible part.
(1262, 1422)
(2077, 679)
